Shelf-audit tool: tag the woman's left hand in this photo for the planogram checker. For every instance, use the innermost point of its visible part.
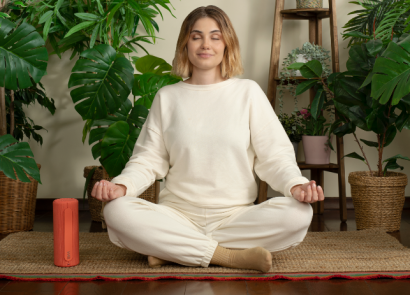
(308, 192)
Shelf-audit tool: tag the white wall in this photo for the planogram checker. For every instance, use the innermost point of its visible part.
(63, 156)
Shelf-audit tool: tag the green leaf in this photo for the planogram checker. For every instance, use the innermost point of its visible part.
(370, 143)
(296, 66)
(390, 134)
(46, 16)
(87, 16)
(106, 79)
(16, 155)
(355, 156)
(23, 55)
(79, 27)
(305, 85)
(398, 156)
(374, 46)
(317, 103)
(152, 64)
(392, 73)
(311, 69)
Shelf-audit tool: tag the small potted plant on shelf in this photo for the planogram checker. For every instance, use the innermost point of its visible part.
(291, 78)
(316, 138)
(292, 123)
(309, 4)
(367, 96)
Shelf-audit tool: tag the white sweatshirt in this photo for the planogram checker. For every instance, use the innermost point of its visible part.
(208, 141)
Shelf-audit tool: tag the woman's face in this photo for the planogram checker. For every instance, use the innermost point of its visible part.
(205, 38)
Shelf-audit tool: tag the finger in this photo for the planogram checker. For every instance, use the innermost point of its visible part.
(309, 194)
(99, 191)
(314, 193)
(104, 192)
(302, 196)
(320, 193)
(93, 192)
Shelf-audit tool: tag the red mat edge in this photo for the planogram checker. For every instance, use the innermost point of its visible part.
(307, 276)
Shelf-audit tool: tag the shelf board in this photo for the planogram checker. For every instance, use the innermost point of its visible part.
(277, 79)
(305, 13)
(331, 167)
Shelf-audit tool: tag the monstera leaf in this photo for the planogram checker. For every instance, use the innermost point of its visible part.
(17, 156)
(152, 64)
(392, 72)
(121, 134)
(106, 83)
(22, 52)
(147, 85)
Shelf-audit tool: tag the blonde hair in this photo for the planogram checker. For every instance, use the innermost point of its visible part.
(231, 64)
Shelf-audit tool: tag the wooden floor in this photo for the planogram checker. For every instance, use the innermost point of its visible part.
(329, 221)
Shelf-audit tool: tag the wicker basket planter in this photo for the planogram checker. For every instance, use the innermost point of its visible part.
(378, 201)
(150, 194)
(309, 4)
(17, 203)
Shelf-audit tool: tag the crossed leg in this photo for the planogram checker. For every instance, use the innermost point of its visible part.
(277, 224)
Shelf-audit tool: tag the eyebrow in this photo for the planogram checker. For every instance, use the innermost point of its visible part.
(197, 31)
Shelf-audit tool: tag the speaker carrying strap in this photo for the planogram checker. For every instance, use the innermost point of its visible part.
(68, 234)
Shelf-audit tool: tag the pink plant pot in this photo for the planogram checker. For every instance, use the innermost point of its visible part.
(315, 149)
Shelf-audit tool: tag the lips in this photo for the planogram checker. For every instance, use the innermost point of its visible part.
(204, 55)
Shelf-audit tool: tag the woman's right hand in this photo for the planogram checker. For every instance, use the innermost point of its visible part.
(109, 191)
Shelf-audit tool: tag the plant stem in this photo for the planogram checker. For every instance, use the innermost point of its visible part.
(384, 141)
(354, 134)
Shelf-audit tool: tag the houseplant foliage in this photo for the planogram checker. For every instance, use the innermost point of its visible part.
(378, 19)
(368, 93)
(292, 124)
(102, 32)
(309, 51)
(24, 52)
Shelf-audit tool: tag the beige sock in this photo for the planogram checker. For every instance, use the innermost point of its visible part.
(156, 262)
(257, 258)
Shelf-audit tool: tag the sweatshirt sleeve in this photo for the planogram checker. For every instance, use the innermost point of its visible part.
(150, 158)
(275, 161)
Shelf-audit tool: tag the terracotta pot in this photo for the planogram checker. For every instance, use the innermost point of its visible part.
(315, 149)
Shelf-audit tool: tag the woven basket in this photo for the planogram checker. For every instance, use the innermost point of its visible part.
(378, 201)
(95, 206)
(17, 203)
(309, 4)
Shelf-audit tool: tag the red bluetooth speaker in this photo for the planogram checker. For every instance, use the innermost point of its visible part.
(66, 232)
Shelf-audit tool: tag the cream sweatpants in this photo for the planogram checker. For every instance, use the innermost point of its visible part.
(188, 235)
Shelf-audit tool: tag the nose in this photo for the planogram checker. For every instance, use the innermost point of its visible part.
(205, 43)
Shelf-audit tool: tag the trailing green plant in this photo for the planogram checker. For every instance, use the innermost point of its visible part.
(379, 19)
(291, 123)
(309, 51)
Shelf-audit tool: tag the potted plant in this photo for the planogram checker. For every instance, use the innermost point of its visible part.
(19, 172)
(291, 78)
(367, 96)
(309, 4)
(102, 35)
(292, 123)
(316, 138)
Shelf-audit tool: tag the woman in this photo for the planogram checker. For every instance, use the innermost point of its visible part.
(209, 135)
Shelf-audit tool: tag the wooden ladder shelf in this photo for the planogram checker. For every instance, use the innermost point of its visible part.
(314, 16)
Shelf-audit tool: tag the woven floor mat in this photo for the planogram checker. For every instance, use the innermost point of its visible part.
(333, 252)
